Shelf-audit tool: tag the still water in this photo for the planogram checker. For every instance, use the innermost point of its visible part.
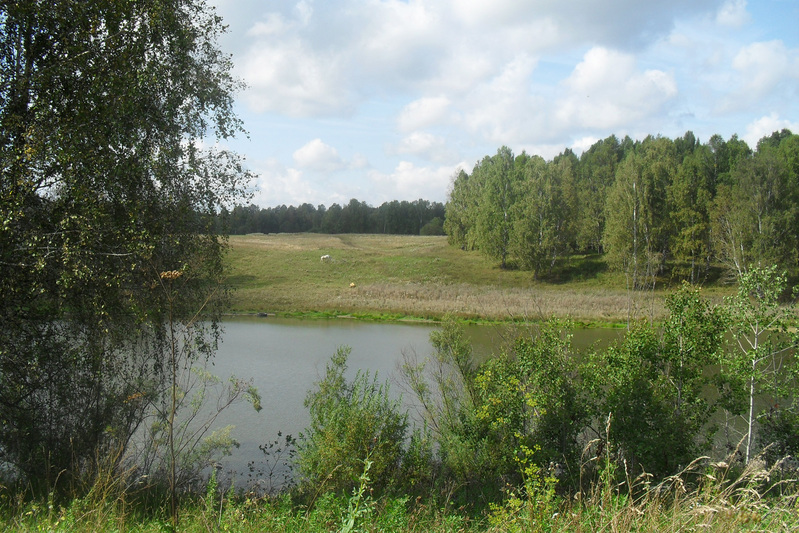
(285, 357)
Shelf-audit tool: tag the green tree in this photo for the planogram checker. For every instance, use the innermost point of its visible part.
(544, 213)
(597, 170)
(355, 217)
(548, 368)
(653, 383)
(533, 231)
(727, 155)
(497, 179)
(692, 340)
(443, 384)
(636, 225)
(444, 387)
(755, 217)
(461, 209)
(333, 220)
(434, 227)
(760, 356)
(104, 186)
(689, 197)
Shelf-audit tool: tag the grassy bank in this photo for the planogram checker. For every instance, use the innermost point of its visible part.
(715, 503)
(412, 276)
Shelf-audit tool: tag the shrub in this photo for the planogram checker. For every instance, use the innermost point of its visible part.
(351, 422)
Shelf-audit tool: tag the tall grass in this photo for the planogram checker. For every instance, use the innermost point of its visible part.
(705, 496)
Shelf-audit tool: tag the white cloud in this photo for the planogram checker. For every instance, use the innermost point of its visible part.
(420, 84)
(581, 145)
(304, 10)
(427, 146)
(277, 185)
(290, 79)
(312, 59)
(762, 75)
(319, 157)
(504, 110)
(423, 112)
(607, 90)
(733, 14)
(628, 24)
(409, 182)
(287, 73)
(767, 125)
(359, 161)
(763, 65)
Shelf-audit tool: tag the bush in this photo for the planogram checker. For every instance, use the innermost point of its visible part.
(779, 434)
(434, 227)
(351, 422)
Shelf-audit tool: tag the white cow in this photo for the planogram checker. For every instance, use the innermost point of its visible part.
(325, 258)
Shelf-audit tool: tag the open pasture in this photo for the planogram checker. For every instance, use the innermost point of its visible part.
(415, 276)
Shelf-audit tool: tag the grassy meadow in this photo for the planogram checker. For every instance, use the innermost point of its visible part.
(398, 276)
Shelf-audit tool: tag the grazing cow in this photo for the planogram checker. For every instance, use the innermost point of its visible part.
(352, 285)
(325, 258)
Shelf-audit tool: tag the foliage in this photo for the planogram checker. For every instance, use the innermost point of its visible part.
(706, 496)
(461, 209)
(495, 441)
(531, 506)
(443, 384)
(550, 371)
(755, 216)
(481, 416)
(779, 433)
(445, 389)
(360, 504)
(596, 172)
(434, 227)
(497, 178)
(760, 362)
(275, 472)
(104, 186)
(351, 422)
(419, 217)
(654, 385)
(690, 193)
(544, 225)
(652, 207)
(636, 229)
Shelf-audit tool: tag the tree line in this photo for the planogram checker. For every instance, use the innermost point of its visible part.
(419, 217)
(653, 207)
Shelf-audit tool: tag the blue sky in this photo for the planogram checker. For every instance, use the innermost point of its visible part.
(385, 100)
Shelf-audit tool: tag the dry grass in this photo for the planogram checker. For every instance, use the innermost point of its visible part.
(412, 276)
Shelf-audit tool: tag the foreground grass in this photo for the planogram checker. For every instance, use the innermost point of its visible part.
(413, 276)
(703, 498)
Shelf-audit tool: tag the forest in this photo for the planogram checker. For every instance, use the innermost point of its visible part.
(419, 217)
(654, 207)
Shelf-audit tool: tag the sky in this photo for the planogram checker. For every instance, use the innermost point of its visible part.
(382, 100)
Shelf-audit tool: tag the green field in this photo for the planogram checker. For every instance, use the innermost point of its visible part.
(420, 277)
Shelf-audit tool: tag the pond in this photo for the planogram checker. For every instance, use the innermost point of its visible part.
(285, 357)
